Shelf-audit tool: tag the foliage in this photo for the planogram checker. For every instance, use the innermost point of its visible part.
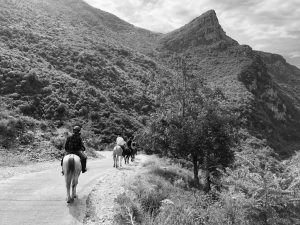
(191, 124)
(250, 194)
(259, 181)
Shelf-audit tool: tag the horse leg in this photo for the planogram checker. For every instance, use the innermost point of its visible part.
(74, 185)
(68, 186)
(117, 161)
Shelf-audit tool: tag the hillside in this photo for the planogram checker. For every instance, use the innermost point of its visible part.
(64, 62)
(260, 87)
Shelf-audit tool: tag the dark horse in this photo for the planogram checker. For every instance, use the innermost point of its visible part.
(129, 151)
(126, 154)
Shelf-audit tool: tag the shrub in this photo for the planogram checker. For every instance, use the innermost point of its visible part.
(176, 216)
(27, 109)
(26, 138)
(61, 111)
(127, 211)
(94, 142)
(10, 129)
(58, 142)
(151, 200)
(43, 126)
(174, 173)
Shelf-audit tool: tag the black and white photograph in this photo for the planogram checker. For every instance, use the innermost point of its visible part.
(149, 112)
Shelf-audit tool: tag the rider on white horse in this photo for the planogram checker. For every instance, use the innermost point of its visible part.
(74, 145)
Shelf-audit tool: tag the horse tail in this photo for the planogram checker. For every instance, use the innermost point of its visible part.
(70, 170)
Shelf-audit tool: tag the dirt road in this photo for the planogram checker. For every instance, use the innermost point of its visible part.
(40, 197)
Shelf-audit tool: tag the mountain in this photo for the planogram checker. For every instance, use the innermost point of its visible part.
(203, 30)
(260, 87)
(64, 62)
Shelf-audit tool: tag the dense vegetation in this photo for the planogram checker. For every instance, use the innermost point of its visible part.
(236, 178)
(64, 63)
(224, 114)
(61, 72)
(256, 190)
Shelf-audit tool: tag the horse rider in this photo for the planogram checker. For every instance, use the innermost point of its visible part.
(74, 145)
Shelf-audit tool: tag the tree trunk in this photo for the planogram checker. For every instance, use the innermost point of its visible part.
(195, 163)
(206, 170)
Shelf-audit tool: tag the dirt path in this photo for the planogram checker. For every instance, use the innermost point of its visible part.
(100, 203)
(40, 197)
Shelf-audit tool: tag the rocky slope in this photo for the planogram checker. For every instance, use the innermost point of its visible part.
(63, 60)
(261, 87)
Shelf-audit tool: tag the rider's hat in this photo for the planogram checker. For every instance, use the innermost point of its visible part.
(76, 129)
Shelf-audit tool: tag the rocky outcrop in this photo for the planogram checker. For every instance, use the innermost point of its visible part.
(203, 30)
(254, 82)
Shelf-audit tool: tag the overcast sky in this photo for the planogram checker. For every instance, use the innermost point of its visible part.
(267, 25)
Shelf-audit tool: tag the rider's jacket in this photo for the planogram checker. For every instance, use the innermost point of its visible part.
(74, 143)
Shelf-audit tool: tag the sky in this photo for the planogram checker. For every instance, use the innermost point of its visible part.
(266, 25)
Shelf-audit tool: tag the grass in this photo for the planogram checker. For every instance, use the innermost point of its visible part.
(9, 159)
(162, 194)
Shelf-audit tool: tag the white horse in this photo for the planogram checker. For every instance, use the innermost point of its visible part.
(117, 155)
(72, 169)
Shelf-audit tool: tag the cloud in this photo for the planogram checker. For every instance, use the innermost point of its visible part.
(294, 55)
(268, 25)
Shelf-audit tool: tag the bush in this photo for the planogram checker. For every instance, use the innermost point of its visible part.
(176, 216)
(43, 126)
(151, 201)
(27, 109)
(61, 111)
(58, 142)
(127, 211)
(94, 142)
(174, 173)
(26, 138)
(10, 129)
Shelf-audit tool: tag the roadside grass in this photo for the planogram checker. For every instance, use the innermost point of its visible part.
(163, 193)
(8, 159)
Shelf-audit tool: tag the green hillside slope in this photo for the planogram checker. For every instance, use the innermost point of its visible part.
(64, 62)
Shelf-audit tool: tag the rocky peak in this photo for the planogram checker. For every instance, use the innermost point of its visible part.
(203, 30)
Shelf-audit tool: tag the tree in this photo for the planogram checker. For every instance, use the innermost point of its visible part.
(191, 124)
(61, 111)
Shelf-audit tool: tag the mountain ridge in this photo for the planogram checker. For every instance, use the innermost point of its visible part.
(104, 73)
(203, 30)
